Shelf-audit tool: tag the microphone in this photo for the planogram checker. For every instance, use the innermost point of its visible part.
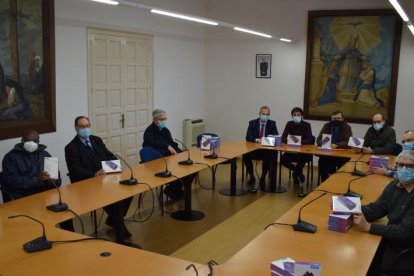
(356, 172)
(166, 173)
(188, 161)
(38, 244)
(303, 226)
(351, 193)
(213, 155)
(60, 206)
(131, 180)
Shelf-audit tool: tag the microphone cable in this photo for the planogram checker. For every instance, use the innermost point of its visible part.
(79, 240)
(212, 175)
(136, 210)
(80, 220)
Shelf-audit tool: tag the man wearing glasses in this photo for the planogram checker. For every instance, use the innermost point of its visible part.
(397, 203)
(380, 137)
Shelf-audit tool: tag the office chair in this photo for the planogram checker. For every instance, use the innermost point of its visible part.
(148, 154)
(403, 265)
(397, 149)
(7, 196)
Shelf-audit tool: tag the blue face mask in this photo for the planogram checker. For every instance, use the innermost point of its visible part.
(85, 132)
(377, 126)
(162, 124)
(297, 119)
(405, 175)
(264, 118)
(408, 145)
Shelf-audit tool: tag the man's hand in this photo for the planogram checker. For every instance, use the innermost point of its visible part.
(100, 172)
(43, 176)
(380, 170)
(334, 146)
(357, 150)
(367, 150)
(361, 222)
(172, 150)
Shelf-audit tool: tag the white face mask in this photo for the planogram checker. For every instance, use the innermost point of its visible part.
(30, 146)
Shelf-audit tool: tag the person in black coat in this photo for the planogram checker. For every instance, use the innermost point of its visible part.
(258, 128)
(83, 158)
(159, 137)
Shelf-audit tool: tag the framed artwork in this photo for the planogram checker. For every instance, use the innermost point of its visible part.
(264, 66)
(352, 64)
(27, 67)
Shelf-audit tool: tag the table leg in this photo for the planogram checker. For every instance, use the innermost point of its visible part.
(233, 191)
(187, 214)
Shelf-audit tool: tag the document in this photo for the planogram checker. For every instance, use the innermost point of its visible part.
(51, 166)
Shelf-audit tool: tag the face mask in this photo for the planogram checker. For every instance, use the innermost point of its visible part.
(30, 146)
(162, 124)
(297, 119)
(84, 132)
(405, 175)
(336, 123)
(378, 126)
(264, 118)
(408, 145)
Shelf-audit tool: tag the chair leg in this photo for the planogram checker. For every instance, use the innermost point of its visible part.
(243, 170)
(95, 223)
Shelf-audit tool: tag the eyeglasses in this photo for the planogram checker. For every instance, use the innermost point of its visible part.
(408, 140)
(83, 126)
(377, 122)
(408, 166)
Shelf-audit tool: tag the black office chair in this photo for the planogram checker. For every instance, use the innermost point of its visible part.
(7, 196)
(403, 265)
(397, 149)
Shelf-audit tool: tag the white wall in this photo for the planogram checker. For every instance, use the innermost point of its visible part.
(234, 95)
(178, 62)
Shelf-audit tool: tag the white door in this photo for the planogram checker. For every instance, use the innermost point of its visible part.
(120, 89)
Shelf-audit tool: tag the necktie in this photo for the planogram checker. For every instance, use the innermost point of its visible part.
(262, 127)
(88, 144)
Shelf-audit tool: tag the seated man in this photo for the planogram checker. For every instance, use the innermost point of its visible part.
(301, 128)
(397, 203)
(258, 128)
(23, 168)
(380, 137)
(83, 158)
(407, 142)
(340, 132)
(158, 136)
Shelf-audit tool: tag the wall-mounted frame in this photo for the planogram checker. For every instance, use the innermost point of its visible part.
(264, 66)
(352, 64)
(27, 67)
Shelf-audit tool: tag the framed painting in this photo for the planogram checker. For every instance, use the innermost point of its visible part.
(264, 66)
(27, 67)
(352, 64)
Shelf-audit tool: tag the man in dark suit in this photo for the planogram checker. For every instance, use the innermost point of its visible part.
(83, 158)
(258, 128)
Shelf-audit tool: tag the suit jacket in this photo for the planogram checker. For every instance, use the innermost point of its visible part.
(344, 133)
(83, 162)
(253, 130)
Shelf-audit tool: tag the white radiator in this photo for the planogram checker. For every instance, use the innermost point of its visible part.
(191, 129)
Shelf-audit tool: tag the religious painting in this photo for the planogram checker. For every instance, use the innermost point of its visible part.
(264, 66)
(352, 64)
(27, 67)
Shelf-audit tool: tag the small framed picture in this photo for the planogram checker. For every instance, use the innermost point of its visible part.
(263, 66)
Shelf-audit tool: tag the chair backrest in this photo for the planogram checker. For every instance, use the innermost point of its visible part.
(204, 134)
(4, 193)
(403, 263)
(397, 149)
(148, 154)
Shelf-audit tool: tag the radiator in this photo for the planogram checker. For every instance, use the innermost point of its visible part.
(191, 129)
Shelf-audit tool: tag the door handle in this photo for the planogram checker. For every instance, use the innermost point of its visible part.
(123, 121)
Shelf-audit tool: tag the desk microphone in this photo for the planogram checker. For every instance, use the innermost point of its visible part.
(60, 206)
(303, 226)
(356, 172)
(188, 161)
(213, 155)
(351, 193)
(38, 244)
(166, 173)
(131, 180)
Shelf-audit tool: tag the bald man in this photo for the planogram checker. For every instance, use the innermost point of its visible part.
(23, 168)
(380, 137)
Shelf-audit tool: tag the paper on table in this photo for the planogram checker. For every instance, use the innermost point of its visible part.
(51, 166)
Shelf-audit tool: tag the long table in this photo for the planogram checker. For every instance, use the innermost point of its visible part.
(85, 196)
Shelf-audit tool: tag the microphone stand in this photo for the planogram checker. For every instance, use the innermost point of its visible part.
(351, 193)
(38, 244)
(213, 155)
(303, 226)
(166, 173)
(188, 161)
(60, 206)
(131, 180)
(356, 172)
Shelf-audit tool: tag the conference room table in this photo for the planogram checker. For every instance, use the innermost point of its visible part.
(91, 194)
